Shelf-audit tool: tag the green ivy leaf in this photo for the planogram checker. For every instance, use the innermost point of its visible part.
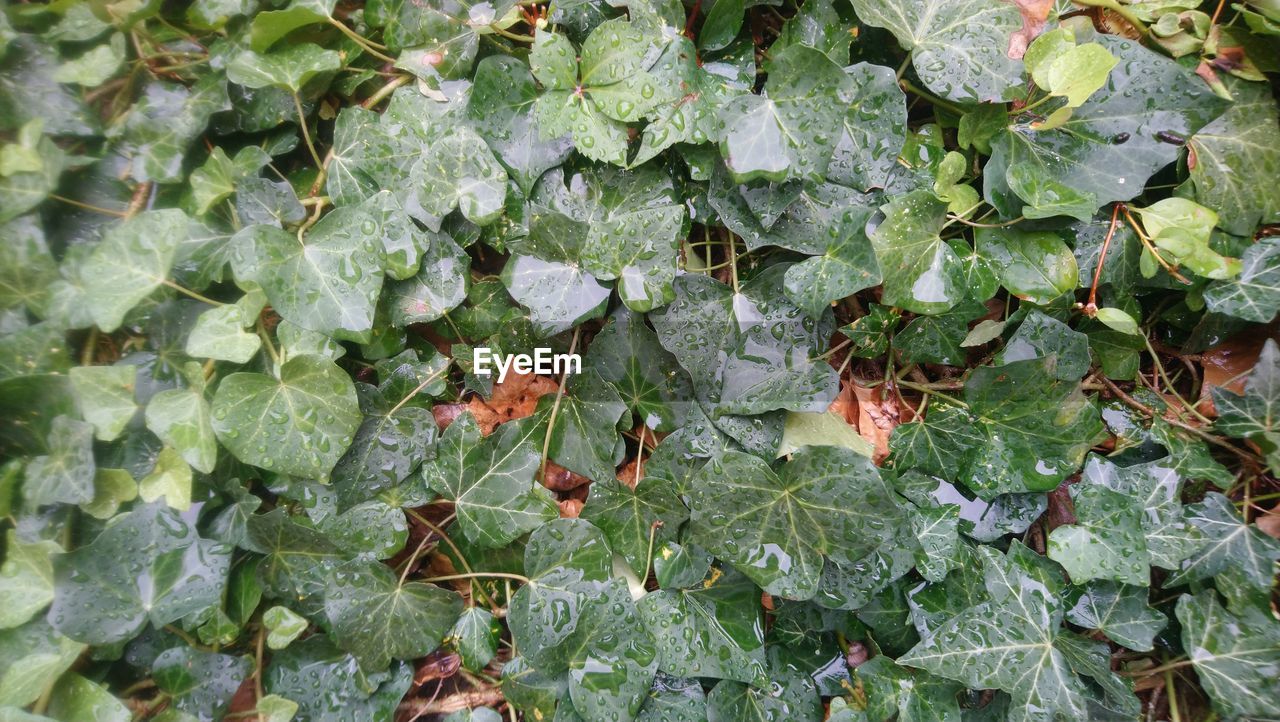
(65, 474)
(1035, 266)
(289, 68)
(1108, 148)
(1233, 157)
(129, 263)
(1254, 295)
(957, 48)
(921, 272)
(26, 579)
(284, 625)
(745, 513)
(709, 630)
(1250, 415)
(628, 516)
(328, 283)
(490, 482)
(1235, 655)
(475, 636)
(299, 424)
(105, 397)
(1229, 543)
(379, 618)
(790, 130)
(1118, 610)
(200, 684)
(149, 565)
(219, 333)
(1106, 542)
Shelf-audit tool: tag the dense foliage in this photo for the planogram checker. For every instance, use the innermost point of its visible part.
(924, 371)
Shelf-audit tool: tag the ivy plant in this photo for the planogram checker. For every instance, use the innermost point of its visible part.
(923, 360)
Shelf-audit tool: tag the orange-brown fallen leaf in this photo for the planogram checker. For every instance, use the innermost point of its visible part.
(1226, 366)
(1269, 523)
(1034, 14)
(558, 478)
(877, 419)
(571, 508)
(514, 398)
(632, 472)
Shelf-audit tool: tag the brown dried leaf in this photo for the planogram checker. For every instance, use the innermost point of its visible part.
(571, 508)
(632, 472)
(558, 478)
(1269, 523)
(1226, 366)
(1034, 14)
(877, 419)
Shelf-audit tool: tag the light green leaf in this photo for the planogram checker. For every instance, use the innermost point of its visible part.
(149, 565)
(170, 480)
(299, 424)
(180, 417)
(289, 68)
(105, 397)
(490, 482)
(129, 263)
(219, 333)
(26, 579)
(284, 625)
(958, 48)
(328, 283)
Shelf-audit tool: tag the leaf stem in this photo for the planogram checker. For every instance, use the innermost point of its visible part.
(648, 557)
(87, 207)
(432, 377)
(1175, 715)
(510, 35)
(306, 132)
(910, 87)
(413, 558)
(266, 342)
(1157, 670)
(1151, 248)
(1152, 413)
(367, 45)
(435, 529)
(555, 409)
(1091, 308)
(733, 261)
(973, 224)
(188, 292)
(925, 388)
(381, 93)
(1155, 360)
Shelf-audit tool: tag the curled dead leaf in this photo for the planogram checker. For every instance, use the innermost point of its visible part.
(877, 418)
(558, 478)
(571, 508)
(1034, 14)
(1226, 366)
